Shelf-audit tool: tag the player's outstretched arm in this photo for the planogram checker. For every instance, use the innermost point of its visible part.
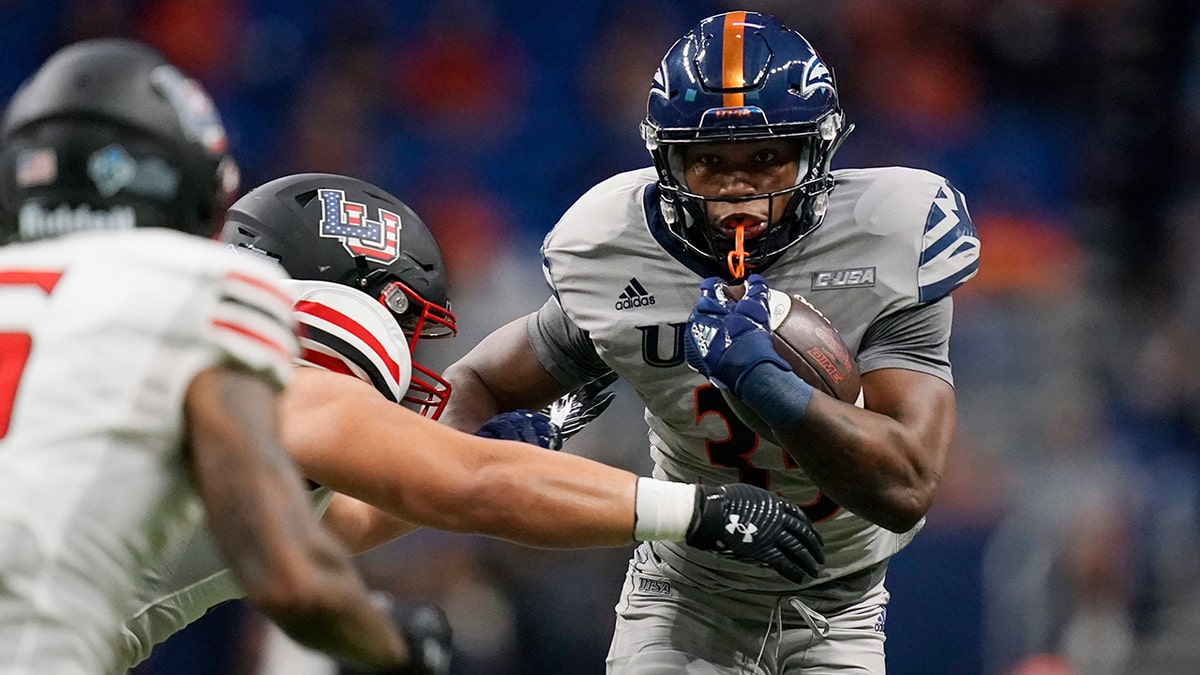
(347, 437)
(290, 567)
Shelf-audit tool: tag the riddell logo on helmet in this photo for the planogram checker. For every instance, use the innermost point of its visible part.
(634, 295)
(35, 222)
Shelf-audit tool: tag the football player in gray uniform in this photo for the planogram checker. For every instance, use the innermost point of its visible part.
(742, 122)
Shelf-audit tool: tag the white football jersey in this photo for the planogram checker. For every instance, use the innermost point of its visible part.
(342, 330)
(894, 243)
(101, 335)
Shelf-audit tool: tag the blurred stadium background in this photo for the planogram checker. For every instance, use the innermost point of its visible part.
(1065, 538)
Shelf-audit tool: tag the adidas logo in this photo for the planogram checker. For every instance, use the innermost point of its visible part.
(634, 295)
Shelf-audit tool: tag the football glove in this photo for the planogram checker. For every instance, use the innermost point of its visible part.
(519, 425)
(551, 426)
(425, 631)
(571, 413)
(753, 525)
(725, 339)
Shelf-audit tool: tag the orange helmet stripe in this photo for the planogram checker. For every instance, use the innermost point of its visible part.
(733, 46)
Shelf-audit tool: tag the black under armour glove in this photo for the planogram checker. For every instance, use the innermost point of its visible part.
(426, 632)
(751, 524)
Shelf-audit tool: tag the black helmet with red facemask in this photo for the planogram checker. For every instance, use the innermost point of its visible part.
(326, 227)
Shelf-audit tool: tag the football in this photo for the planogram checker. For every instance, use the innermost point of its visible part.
(813, 347)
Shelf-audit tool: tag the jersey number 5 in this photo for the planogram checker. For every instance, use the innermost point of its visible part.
(16, 345)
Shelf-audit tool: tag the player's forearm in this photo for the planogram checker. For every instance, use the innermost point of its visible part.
(342, 622)
(309, 587)
(532, 496)
(867, 462)
(289, 566)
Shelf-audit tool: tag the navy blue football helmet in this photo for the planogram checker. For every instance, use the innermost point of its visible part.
(743, 76)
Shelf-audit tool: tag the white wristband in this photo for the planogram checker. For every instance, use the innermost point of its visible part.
(663, 510)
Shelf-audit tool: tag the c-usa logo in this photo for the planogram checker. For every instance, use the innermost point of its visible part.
(816, 77)
(347, 221)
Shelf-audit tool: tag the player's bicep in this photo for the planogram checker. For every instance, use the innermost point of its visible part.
(320, 412)
(348, 438)
(924, 406)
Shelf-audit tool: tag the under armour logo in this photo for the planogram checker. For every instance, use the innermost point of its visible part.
(746, 529)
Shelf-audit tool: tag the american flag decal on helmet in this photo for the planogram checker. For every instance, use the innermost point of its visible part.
(347, 221)
(950, 247)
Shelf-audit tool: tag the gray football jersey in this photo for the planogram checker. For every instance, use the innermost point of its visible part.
(894, 243)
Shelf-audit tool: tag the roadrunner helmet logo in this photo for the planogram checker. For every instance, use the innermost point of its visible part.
(346, 221)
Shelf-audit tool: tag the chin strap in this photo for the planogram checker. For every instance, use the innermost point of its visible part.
(737, 257)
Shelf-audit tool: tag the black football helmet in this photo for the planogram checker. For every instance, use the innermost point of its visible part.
(743, 76)
(108, 135)
(326, 227)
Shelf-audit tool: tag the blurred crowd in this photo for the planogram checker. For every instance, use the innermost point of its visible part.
(1066, 537)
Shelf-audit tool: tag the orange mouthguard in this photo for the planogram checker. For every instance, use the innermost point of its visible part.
(737, 257)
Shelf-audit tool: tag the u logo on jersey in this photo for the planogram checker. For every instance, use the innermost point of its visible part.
(347, 221)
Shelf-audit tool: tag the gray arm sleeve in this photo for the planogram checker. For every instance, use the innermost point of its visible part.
(917, 338)
(565, 350)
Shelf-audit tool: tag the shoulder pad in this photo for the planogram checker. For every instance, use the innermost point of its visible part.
(346, 331)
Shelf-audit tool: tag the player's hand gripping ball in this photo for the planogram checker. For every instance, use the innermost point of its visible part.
(725, 340)
(811, 346)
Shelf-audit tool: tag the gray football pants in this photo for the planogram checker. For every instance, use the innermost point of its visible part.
(667, 626)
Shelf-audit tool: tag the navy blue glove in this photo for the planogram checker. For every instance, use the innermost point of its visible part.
(551, 426)
(571, 413)
(726, 339)
(519, 425)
